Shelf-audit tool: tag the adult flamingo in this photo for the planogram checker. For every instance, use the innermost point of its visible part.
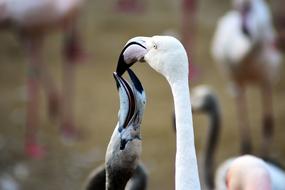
(244, 46)
(33, 20)
(166, 55)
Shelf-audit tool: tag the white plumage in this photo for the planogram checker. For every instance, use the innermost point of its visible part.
(230, 45)
(33, 12)
(244, 47)
(233, 48)
(33, 20)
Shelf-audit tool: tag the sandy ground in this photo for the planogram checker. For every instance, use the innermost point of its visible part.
(105, 31)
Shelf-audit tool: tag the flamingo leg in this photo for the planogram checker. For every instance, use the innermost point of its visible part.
(48, 83)
(45, 77)
(72, 54)
(243, 121)
(68, 127)
(53, 96)
(268, 121)
(32, 147)
(38, 72)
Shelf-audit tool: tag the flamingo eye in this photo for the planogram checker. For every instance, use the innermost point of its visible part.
(154, 45)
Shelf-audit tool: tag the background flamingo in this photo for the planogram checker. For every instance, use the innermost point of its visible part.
(104, 32)
(243, 44)
(33, 20)
(249, 172)
(205, 101)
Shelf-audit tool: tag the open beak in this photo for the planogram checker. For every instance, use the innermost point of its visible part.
(133, 51)
(132, 97)
(128, 97)
(127, 101)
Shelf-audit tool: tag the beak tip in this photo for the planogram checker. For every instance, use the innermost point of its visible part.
(115, 75)
(129, 56)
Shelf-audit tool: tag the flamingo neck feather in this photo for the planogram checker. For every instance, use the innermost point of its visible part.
(186, 174)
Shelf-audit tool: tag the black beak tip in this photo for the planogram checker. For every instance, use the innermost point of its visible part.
(115, 75)
(121, 66)
(120, 70)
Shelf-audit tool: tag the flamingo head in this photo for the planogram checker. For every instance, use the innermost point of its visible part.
(165, 54)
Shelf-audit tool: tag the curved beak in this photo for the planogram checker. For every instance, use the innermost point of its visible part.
(132, 103)
(127, 101)
(131, 97)
(134, 51)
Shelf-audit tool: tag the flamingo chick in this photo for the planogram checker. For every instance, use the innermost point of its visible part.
(33, 20)
(124, 149)
(205, 101)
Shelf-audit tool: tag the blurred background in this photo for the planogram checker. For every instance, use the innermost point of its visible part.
(104, 30)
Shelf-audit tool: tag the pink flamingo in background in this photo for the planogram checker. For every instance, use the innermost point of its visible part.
(33, 20)
(244, 45)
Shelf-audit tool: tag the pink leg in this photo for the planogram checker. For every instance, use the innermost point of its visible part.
(268, 121)
(32, 147)
(46, 79)
(243, 121)
(72, 53)
(53, 96)
(67, 126)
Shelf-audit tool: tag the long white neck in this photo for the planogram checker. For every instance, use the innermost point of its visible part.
(186, 174)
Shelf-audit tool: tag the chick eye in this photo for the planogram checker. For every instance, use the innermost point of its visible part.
(154, 45)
